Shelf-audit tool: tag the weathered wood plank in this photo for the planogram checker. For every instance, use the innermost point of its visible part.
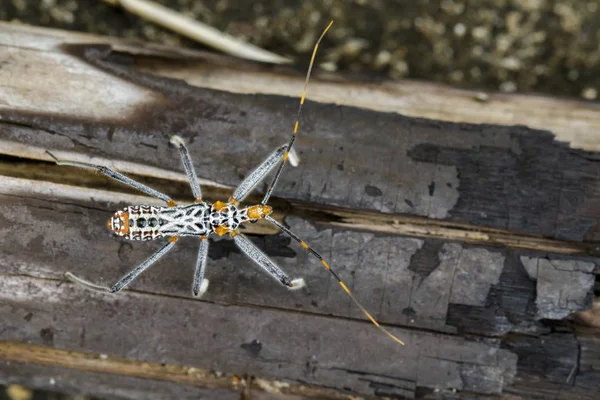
(588, 373)
(572, 121)
(176, 184)
(74, 372)
(172, 330)
(393, 275)
(402, 280)
(502, 177)
(456, 236)
(569, 372)
(56, 379)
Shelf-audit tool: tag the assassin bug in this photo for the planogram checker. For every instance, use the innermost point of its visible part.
(202, 219)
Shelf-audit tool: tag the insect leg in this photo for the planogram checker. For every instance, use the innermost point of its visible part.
(265, 262)
(189, 167)
(200, 284)
(297, 124)
(126, 280)
(119, 177)
(336, 276)
(256, 176)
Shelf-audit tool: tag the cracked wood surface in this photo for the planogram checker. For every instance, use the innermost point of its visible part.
(402, 208)
(97, 370)
(512, 178)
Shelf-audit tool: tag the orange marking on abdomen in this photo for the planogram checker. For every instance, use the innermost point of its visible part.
(125, 228)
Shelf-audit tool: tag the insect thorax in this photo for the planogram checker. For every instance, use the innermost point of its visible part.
(200, 219)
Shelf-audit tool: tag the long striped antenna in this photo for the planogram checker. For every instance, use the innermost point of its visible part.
(297, 124)
(336, 276)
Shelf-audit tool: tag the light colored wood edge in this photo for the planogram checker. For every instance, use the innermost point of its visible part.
(16, 149)
(576, 122)
(446, 230)
(573, 121)
(93, 362)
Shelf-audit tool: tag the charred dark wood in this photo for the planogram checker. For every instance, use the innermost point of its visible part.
(473, 243)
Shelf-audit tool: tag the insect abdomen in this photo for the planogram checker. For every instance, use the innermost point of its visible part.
(148, 222)
(144, 222)
(189, 220)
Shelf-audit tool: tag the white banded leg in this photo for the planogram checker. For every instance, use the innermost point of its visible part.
(259, 173)
(119, 177)
(265, 263)
(127, 279)
(200, 284)
(188, 165)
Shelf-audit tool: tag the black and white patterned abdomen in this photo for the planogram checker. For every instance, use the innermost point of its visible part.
(201, 219)
(192, 220)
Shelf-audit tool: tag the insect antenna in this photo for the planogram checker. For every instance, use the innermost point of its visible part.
(335, 275)
(297, 124)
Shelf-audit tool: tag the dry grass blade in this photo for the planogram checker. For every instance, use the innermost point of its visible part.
(197, 31)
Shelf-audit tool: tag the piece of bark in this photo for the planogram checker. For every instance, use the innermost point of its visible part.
(499, 177)
(434, 225)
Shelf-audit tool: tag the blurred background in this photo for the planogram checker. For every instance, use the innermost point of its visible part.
(542, 46)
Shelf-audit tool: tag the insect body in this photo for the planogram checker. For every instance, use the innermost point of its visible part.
(201, 219)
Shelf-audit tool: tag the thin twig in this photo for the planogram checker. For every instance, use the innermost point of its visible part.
(196, 30)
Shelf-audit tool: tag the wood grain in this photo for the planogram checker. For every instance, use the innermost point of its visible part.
(458, 236)
(66, 366)
(572, 121)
